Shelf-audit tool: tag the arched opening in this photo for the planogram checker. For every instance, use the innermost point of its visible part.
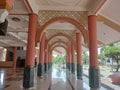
(59, 34)
(65, 19)
(63, 42)
(58, 60)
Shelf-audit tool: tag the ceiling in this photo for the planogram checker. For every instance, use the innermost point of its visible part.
(108, 21)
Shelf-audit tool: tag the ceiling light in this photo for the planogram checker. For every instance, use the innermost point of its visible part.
(15, 19)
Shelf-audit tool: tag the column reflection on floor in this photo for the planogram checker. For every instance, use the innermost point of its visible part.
(59, 80)
(2, 79)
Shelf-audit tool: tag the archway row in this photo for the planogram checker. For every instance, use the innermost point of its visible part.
(65, 19)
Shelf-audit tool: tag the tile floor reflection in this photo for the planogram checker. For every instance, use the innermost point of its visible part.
(59, 79)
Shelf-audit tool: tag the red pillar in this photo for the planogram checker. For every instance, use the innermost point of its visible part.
(93, 71)
(30, 55)
(42, 56)
(69, 55)
(67, 59)
(72, 58)
(1, 51)
(7, 55)
(50, 60)
(14, 58)
(46, 56)
(93, 41)
(46, 60)
(42, 49)
(28, 81)
(79, 48)
(79, 55)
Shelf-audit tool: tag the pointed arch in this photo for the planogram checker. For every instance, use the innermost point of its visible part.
(58, 43)
(60, 34)
(51, 48)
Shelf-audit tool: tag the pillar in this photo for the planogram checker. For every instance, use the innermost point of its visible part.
(42, 56)
(79, 55)
(72, 59)
(69, 56)
(93, 69)
(50, 60)
(28, 80)
(14, 58)
(1, 54)
(46, 60)
(67, 60)
(7, 55)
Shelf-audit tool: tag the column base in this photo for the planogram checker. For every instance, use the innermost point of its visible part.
(79, 71)
(73, 68)
(46, 67)
(69, 66)
(40, 70)
(94, 78)
(28, 80)
(49, 66)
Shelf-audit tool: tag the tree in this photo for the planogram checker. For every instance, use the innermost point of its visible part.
(102, 55)
(59, 59)
(113, 51)
(85, 57)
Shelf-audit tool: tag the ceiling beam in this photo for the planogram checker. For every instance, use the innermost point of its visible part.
(108, 22)
(4, 44)
(17, 37)
(17, 31)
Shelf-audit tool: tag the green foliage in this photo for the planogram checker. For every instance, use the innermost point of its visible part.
(85, 57)
(112, 51)
(102, 56)
(59, 59)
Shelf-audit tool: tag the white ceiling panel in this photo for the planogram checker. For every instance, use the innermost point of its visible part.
(106, 34)
(111, 10)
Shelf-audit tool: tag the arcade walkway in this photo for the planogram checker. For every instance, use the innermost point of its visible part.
(58, 80)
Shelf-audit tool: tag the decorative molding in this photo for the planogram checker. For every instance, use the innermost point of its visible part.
(46, 15)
